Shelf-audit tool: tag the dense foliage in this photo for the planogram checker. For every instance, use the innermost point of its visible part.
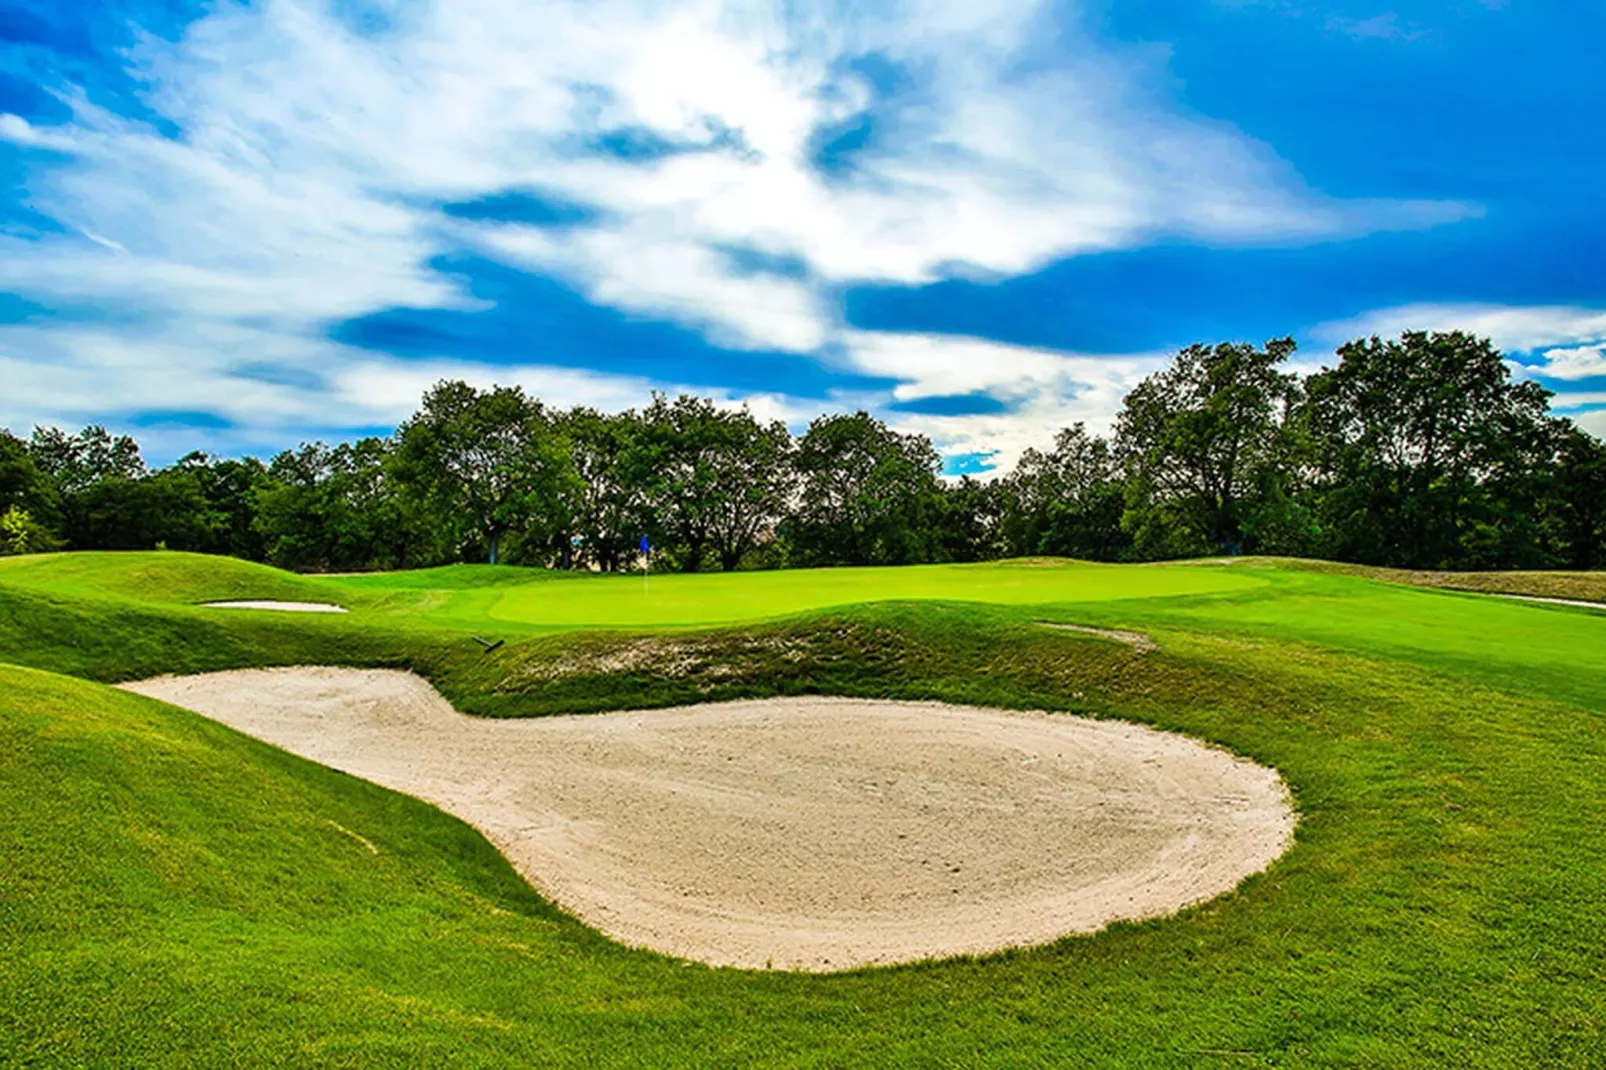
(1420, 452)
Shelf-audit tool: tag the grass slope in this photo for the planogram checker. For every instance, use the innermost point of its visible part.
(1581, 586)
(155, 577)
(176, 892)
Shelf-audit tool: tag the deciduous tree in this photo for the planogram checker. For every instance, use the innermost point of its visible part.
(867, 496)
(1199, 441)
(755, 484)
(610, 495)
(490, 460)
(1067, 501)
(1422, 447)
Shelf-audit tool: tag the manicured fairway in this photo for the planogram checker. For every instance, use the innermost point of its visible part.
(175, 892)
(515, 596)
(720, 597)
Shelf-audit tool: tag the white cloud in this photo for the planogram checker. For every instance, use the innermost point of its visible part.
(668, 276)
(1512, 328)
(1593, 421)
(1580, 399)
(1384, 27)
(1047, 390)
(1579, 362)
(70, 376)
(933, 365)
(300, 188)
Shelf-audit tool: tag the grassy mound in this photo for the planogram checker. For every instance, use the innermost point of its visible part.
(177, 893)
(160, 577)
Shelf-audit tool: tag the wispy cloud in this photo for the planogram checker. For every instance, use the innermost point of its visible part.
(1384, 27)
(313, 156)
(1578, 362)
(1044, 389)
(1515, 328)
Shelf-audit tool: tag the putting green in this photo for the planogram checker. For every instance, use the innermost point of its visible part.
(708, 598)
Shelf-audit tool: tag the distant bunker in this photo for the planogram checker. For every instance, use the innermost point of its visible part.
(283, 607)
(814, 834)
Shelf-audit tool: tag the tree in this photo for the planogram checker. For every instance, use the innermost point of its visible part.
(1067, 502)
(682, 446)
(230, 490)
(1425, 450)
(164, 508)
(98, 475)
(754, 485)
(1576, 501)
(79, 461)
(24, 486)
(867, 494)
(609, 507)
(1199, 442)
(969, 524)
(491, 460)
(21, 534)
(341, 507)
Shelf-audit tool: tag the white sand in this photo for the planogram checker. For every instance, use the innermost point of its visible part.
(804, 833)
(288, 607)
(1556, 601)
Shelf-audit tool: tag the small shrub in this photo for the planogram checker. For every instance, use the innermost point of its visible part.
(20, 533)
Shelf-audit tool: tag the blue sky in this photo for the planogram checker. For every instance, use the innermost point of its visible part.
(234, 226)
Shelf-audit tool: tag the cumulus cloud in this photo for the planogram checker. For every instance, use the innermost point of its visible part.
(305, 184)
(1578, 362)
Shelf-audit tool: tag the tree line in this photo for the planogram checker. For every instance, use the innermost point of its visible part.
(1417, 452)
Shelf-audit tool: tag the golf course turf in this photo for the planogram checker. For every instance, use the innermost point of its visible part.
(176, 892)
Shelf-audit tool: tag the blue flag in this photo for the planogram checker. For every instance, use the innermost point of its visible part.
(646, 547)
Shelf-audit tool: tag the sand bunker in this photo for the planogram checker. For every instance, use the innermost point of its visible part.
(800, 833)
(1581, 603)
(288, 607)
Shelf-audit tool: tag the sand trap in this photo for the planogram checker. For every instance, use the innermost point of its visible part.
(804, 833)
(1556, 601)
(288, 607)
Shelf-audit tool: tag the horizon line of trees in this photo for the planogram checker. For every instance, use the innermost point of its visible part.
(1417, 452)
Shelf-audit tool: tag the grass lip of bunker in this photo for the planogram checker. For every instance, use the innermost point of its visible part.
(813, 834)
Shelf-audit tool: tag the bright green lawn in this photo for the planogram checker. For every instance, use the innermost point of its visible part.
(478, 595)
(707, 598)
(175, 892)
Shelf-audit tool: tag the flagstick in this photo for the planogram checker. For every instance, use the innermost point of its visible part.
(646, 563)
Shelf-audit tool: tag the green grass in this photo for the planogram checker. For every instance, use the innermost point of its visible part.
(1582, 586)
(177, 893)
(155, 577)
(625, 601)
(535, 599)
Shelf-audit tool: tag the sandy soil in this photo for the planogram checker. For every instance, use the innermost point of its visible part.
(804, 833)
(288, 607)
(1556, 601)
(1137, 640)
